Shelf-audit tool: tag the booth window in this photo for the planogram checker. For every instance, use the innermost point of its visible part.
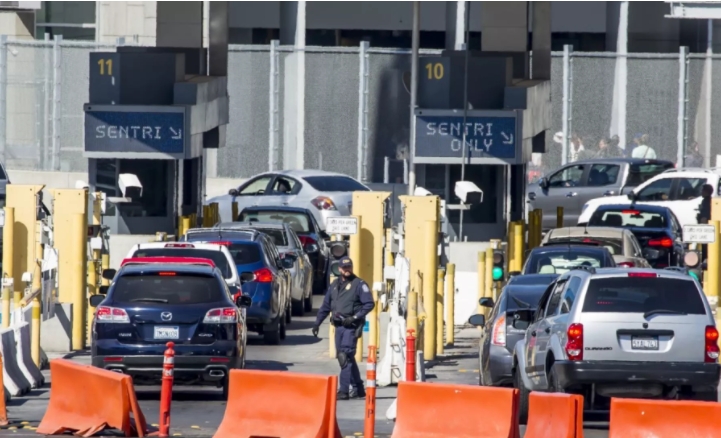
(153, 175)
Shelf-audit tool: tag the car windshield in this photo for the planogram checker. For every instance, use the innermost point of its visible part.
(335, 184)
(276, 235)
(167, 288)
(613, 245)
(562, 261)
(244, 253)
(220, 260)
(628, 217)
(298, 221)
(643, 295)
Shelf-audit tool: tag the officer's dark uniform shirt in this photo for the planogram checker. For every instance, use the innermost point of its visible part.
(347, 298)
(704, 210)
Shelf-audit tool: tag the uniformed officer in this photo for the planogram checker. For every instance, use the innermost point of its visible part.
(349, 299)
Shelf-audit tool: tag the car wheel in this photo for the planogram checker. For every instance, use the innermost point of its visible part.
(523, 397)
(288, 315)
(553, 385)
(308, 303)
(282, 329)
(298, 308)
(272, 337)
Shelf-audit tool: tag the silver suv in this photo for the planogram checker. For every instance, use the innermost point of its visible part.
(619, 332)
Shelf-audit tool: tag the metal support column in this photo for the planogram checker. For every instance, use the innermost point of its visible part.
(3, 96)
(566, 116)
(709, 95)
(57, 83)
(415, 45)
(273, 105)
(681, 129)
(362, 172)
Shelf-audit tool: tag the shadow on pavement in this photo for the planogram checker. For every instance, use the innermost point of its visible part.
(267, 365)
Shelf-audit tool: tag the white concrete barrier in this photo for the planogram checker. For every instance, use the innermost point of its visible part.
(13, 378)
(24, 357)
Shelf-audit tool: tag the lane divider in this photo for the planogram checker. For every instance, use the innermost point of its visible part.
(554, 415)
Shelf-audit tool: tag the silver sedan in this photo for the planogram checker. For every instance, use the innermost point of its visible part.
(326, 194)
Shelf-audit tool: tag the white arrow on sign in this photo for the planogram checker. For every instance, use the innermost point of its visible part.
(177, 135)
(507, 139)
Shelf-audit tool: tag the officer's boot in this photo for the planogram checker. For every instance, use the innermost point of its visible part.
(342, 395)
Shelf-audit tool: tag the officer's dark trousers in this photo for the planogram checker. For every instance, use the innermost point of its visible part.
(346, 341)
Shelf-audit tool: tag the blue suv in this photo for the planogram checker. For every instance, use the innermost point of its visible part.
(152, 301)
(264, 276)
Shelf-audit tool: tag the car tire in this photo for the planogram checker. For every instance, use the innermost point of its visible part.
(308, 303)
(707, 396)
(523, 395)
(288, 314)
(282, 329)
(272, 337)
(298, 308)
(553, 385)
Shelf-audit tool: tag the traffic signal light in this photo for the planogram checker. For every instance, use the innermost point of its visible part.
(692, 261)
(338, 250)
(498, 265)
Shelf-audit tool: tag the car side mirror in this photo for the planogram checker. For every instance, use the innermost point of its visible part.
(243, 301)
(246, 277)
(233, 192)
(311, 248)
(109, 274)
(486, 302)
(103, 290)
(323, 235)
(631, 196)
(477, 320)
(287, 263)
(543, 183)
(650, 253)
(95, 300)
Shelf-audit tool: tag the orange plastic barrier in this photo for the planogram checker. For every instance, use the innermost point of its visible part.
(432, 410)
(275, 404)
(632, 418)
(86, 400)
(553, 415)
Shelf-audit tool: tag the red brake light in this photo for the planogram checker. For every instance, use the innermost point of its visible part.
(323, 203)
(712, 349)
(223, 243)
(263, 275)
(626, 265)
(167, 274)
(306, 240)
(499, 331)
(111, 314)
(113, 359)
(225, 315)
(630, 212)
(574, 344)
(179, 245)
(664, 242)
(219, 360)
(642, 274)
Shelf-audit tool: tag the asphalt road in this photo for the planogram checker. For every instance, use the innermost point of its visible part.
(197, 411)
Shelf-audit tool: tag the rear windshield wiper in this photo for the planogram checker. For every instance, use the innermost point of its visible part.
(663, 311)
(150, 300)
(521, 303)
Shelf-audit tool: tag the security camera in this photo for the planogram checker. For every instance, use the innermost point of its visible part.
(80, 184)
(420, 191)
(130, 186)
(468, 192)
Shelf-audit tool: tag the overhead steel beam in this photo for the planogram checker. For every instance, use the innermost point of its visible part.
(695, 10)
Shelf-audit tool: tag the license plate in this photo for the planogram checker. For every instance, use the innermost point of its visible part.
(167, 332)
(639, 343)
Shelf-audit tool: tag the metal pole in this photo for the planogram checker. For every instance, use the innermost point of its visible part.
(709, 93)
(273, 104)
(3, 96)
(415, 45)
(57, 79)
(362, 110)
(465, 114)
(566, 98)
(300, 87)
(386, 169)
(47, 100)
(680, 134)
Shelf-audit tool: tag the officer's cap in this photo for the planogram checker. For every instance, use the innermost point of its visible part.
(346, 262)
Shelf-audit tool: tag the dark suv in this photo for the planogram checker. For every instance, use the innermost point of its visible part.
(156, 300)
(263, 275)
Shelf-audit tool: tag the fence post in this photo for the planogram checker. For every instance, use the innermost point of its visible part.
(362, 109)
(567, 49)
(709, 93)
(3, 96)
(57, 79)
(682, 79)
(273, 105)
(47, 101)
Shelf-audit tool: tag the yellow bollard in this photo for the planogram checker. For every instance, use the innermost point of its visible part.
(430, 272)
(234, 211)
(489, 272)
(35, 322)
(354, 252)
(7, 260)
(412, 318)
(440, 296)
(517, 247)
(77, 281)
(104, 264)
(481, 281)
(559, 217)
(714, 266)
(451, 304)
(97, 208)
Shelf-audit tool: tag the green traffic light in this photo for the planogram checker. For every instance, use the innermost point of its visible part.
(693, 274)
(497, 273)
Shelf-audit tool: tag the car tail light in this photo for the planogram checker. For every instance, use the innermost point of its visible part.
(306, 240)
(626, 265)
(664, 242)
(643, 274)
(167, 274)
(111, 314)
(499, 332)
(113, 359)
(263, 275)
(179, 245)
(323, 203)
(223, 315)
(712, 350)
(574, 344)
(223, 243)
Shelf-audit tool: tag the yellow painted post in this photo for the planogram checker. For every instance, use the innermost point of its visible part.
(37, 284)
(518, 246)
(206, 214)
(234, 207)
(511, 245)
(104, 264)
(440, 296)
(714, 266)
(430, 272)
(97, 209)
(481, 280)
(77, 293)
(354, 251)
(7, 260)
(67, 235)
(412, 318)
(559, 217)
(489, 272)
(451, 304)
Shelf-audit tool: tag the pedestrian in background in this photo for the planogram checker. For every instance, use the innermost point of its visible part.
(643, 150)
(349, 300)
(608, 149)
(694, 158)
(576, 148)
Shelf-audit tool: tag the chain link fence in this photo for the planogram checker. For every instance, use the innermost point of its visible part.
(354, 115)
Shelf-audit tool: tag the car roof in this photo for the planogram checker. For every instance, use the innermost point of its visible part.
(303, 173)
(622, 272)
(561, 233)
(241, 226)
(640, 207)
(565, 248)
(623, 160)
(232, 234)
(162, 267)
(277, 208)
(196, 245)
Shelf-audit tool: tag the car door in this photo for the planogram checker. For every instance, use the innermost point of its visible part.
(561, 191)
(250, 193)
(600, 179)
(657, 192)
(530, 346)
(632, 248)
(543, 332)
(324, 251)
(686, 198)
(677, 231)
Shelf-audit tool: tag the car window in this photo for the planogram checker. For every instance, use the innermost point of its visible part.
(688, 188)
(218, 258)
(277, 236)
(299, 222)
(336, 183)
(256, 187)
(295, 238)
(523, 298)
(569, 295)
(640, 173)
(603, 175)
(244, 253)
(659, 190)
(643, 294)
(627, 217)
(168, 288)
(677, 227)
(567, 177)
(272, 250)
(284, 186)
(562, 261)
(555, 298)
